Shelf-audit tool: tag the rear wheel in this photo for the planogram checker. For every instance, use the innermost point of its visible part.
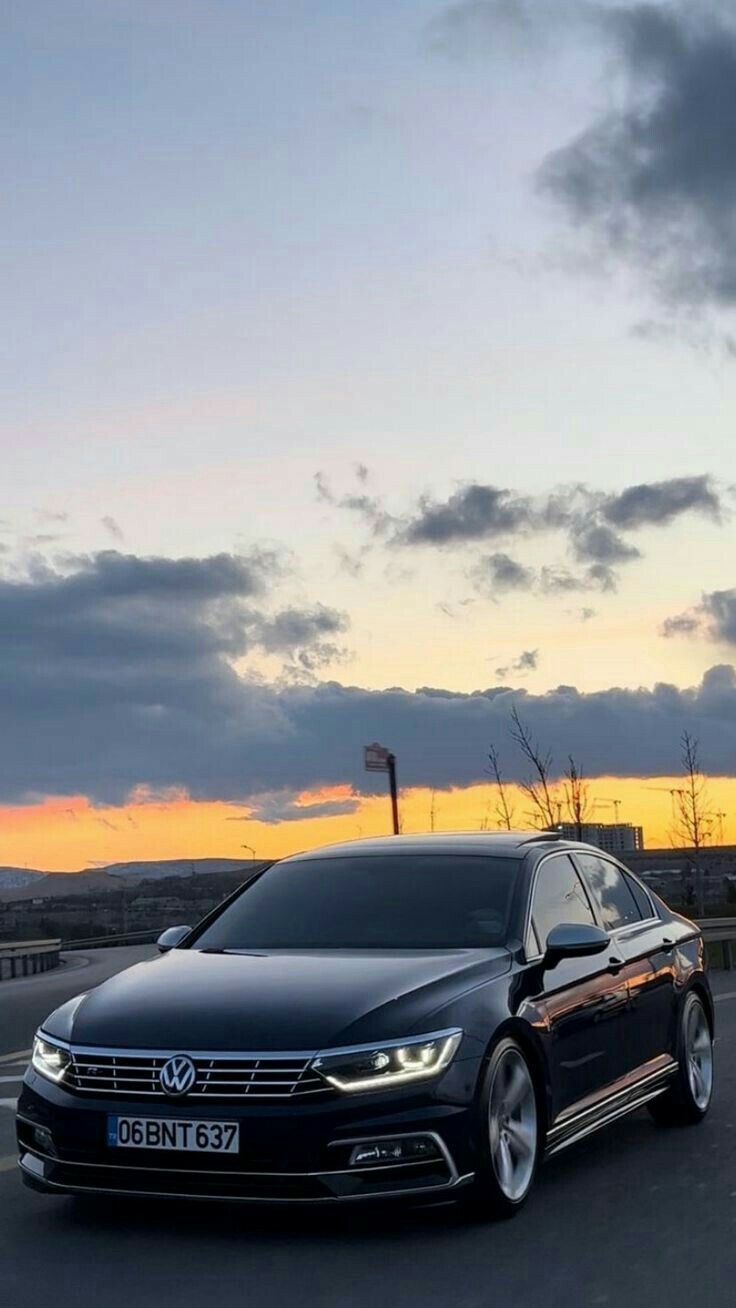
(688, 1098)
(509, 1133)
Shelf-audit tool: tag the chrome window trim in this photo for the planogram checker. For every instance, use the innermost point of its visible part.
(605, 857)
(555, 853)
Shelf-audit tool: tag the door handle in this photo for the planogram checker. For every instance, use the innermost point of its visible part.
(667, 944)
(615, 965)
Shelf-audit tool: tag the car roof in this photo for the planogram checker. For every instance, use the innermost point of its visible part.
(510, 844)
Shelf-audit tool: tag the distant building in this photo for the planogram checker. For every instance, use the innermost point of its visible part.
(614, 837)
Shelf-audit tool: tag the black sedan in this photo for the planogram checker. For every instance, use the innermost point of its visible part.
(414, 1016)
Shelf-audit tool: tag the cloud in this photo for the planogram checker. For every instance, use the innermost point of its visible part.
(112, 527)
(487, 27)
(118, 675)
(561, 581)
(598, 543)
(654, 178)
(367, 507)
(127, 660)
(528, 661)
(660, 502)
(475, 512)
(286, 805)
(304, 633)
(714, 618)
(683, 624)
(500, 573)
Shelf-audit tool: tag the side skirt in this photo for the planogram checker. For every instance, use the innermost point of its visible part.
(581, 1121)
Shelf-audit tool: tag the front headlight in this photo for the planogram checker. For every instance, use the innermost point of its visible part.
(379, 1067)
(50, 1060)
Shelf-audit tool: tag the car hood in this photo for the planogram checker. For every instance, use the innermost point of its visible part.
(281, 1000)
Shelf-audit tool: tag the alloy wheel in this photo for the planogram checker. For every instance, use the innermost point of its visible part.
(512, 1125)
(699, 1054)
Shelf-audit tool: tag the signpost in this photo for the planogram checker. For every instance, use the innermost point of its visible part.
(379, 759)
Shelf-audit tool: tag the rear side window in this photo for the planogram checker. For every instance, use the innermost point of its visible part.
(559, 896)
(643, 902)
(612, 893)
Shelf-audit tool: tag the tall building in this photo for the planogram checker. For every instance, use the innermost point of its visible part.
(614, 837)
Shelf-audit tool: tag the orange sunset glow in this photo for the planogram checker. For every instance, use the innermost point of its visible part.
(70, 834)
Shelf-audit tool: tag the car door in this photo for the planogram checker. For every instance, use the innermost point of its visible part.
(583, 1000)
(627, 912)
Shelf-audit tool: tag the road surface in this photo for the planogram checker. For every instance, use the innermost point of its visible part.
(636, 1217)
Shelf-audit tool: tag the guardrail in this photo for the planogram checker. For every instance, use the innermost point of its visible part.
(125, 938)
(26, 957)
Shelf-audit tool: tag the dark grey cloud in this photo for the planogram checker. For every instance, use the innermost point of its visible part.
(499, 573)
(555, 580)
(654, 179)
(119, 673)
(714, 619)
(682, 624)
(307, 634)
(598, 543)
(287, 806)
(120, 662)
(660, 502)
(474, 512)
(528, 661)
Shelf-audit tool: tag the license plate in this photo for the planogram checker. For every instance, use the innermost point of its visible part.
(172, 1133)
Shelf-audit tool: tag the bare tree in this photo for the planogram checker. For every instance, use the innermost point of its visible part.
(432, 808)
(504, 810)
(576, 796)
(693, 820)
(539, 785)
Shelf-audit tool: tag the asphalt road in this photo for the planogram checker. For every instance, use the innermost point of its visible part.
(636, 1217)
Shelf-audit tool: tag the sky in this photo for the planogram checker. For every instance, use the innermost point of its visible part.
(367, 370)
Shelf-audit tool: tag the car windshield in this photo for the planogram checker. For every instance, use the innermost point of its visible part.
(408, 901)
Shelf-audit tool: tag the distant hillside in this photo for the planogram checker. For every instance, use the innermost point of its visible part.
(12, 878)
(32, 883)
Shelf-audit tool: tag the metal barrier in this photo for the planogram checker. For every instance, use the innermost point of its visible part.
(126, 938)
(26, 957)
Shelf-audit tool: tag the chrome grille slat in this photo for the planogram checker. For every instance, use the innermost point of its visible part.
(221, 1077)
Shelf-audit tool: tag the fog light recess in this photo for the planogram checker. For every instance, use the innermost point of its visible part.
(44, 1140)
(408, 1149)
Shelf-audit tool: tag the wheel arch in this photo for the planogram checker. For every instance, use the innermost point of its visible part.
(531, 1045)
(700, 987)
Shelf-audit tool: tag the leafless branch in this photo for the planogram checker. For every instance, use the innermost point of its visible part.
(538, 787)
(576, 796)
(504, 810)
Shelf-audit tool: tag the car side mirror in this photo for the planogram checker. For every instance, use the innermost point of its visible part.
(574, 940)
(171, 938)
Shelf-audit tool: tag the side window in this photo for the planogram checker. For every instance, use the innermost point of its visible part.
(612, 894)
(643, 902)
(559, 896)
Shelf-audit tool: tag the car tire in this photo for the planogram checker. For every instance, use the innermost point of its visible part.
(508, 1134)
(688, 1098)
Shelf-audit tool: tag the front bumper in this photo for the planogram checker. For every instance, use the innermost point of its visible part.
(295, 1152)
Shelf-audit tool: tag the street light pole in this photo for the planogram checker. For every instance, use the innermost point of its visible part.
(391, 760)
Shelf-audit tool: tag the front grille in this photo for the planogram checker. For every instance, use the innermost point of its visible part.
(218, 1077)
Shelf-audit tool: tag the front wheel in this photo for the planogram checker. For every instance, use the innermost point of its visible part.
(688, 1098)
(509, 1133)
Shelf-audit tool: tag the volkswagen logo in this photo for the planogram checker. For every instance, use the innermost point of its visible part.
(178, 1075)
